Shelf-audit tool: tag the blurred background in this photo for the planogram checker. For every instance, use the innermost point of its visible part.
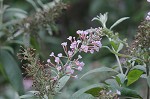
(27, 23)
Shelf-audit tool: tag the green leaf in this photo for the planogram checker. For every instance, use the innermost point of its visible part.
(114, 52)
(120, 78)
(87, 90)
(8, 48)
(16, 10)
(112, 83)
(129, 93)
(118, 21)
(120, 47)
(140, 67)
(27, 96)
(101, 69)
(148, 80)
(133, 76)
(61, 83)
(94, 91)
(114, 45)
(84, 96)
(12, 71)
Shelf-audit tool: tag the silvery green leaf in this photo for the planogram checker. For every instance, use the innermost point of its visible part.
(83, 90)
(34, 5)
(148, 80)
(102, 18)
(16, 10)
(101, 69)
(120, 47)
(62, 82)
(118, 21)
(27, 96)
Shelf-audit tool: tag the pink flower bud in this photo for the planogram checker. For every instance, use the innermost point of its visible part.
(59, 55)
(48, 60)
(57, 60)
(52, 54)
(79, 68)
(64, 44)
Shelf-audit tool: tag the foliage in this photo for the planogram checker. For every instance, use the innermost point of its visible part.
(17, 27)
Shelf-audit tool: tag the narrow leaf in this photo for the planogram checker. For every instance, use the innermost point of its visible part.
(61, 83)
(84, 96)
(121, 78)
(133, 76)
(101, 69)
(86, 89)
(129, 93)
(16, 10)
(12, 70)
(148, 81)
(120, 47)
(118, 21)
(94, 91)
(27, 96)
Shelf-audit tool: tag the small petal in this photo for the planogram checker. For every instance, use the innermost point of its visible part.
(48, 60)
(79, 68)
(79, 56)
(59, 68)
(69, 38)
(64, 44)
(118, 92)
(79, 32)
(57, 60)
(91, 51)
(76, 76)
(82, 64)
(52, 54)
(70, 53)
(59, 55)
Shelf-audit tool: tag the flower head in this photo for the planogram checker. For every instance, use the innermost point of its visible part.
(48, 60)
(57, 60)
(59, 55)
(52, 54)
(64, 44)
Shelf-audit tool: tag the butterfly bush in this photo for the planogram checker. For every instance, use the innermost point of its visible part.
(47, 76)
(89, 41)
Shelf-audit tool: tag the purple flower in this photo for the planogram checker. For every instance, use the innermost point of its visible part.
(79, 68)
(91, 51)
(148, 0)
(57, 60)
(59, 68)
(82, 64)
(48, 60)
(52, 54)
(64, 44)
(118, 92)
(79, 56)
(69, 70)
(79, 31)
(70, 38)
(84, 48)
(70, 53)
(76, 76)
(59, 55)
(73, 45)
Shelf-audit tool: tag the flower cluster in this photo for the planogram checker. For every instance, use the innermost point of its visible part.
(46, 76)
(108, 94)
(89, 41)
